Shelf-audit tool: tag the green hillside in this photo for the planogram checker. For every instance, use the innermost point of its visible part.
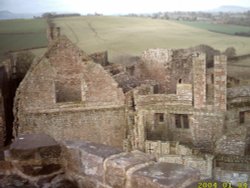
(220, 28)
(22, 34)
(125, 35)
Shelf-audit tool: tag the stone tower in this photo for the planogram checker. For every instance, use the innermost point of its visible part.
(220, 82)
(199, 80)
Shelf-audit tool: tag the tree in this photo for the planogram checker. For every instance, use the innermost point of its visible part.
(230, 52)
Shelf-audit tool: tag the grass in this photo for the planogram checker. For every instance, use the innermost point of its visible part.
(125, 35)
(220, 28)
(22, 34)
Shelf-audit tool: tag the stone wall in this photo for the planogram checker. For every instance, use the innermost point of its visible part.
(168, 67)
(208, 127)
(96, 165)
(103, 125)
(67, 95)
(205, 125)
(233, 142)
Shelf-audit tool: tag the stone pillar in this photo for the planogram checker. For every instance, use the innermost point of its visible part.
(199, 81)
(140, 138)
(220, 82)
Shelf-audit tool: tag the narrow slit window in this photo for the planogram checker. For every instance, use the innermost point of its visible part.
(185, 122)
(156, 89)
(178, 121)
(242, 117)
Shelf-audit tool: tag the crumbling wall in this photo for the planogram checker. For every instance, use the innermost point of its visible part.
(208, 127)
(101, 125)
(100, 58)
(168, 67)
(205, 125)
(67, 95)
(233, 142)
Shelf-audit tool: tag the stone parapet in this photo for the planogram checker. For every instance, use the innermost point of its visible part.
(97, 165)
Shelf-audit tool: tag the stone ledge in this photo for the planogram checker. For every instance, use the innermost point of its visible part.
(164, 175)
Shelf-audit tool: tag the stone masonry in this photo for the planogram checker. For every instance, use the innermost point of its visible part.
(172, 104)
(67, 95)
(97, 165)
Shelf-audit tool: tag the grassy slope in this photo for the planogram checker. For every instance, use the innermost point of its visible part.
(220, 28)
(124, 35)
(20, 34)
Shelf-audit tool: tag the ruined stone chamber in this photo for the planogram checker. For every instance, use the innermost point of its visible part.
(189, 115)
(69, 97)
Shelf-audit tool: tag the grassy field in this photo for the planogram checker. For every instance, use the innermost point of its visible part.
(220, 28)
(124, 35)
(21, 34)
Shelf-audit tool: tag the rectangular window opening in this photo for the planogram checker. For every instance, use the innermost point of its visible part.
(242, 117)
(185, 122)
(68, 91)
(156, 89)
(159, 118)
(181, 121)
(178, 121)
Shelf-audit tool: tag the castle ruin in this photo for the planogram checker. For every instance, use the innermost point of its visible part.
(172, 104)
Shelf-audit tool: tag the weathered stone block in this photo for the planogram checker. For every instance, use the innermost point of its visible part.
(118, 165)
(34, 146)
(92, 157)
(164, 175)
(35, 155)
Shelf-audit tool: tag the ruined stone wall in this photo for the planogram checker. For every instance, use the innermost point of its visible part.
(161, 99)
(208, 126)
(168, 67)
(100, 58)
(105, 125)
(205, 126)
(58, 91)
(233, 142)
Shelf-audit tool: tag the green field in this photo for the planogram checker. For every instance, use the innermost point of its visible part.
(22, 34)
(220, 28)
(125, 35)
